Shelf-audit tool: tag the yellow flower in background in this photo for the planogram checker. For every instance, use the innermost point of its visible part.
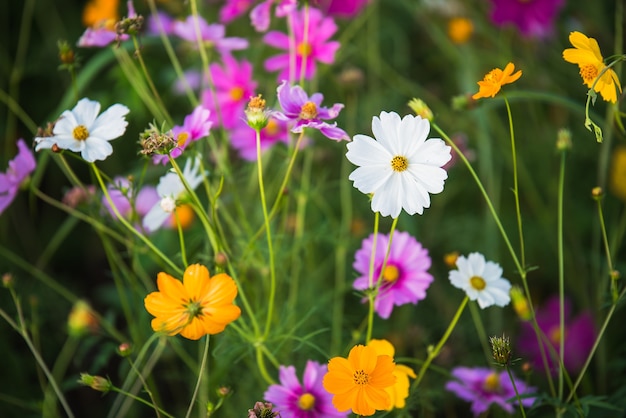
(100, 12)
(586, 53)
(400, 390)
(197, 306)
(81, 319)
(460, 29)
(618, 173)
(495, 79)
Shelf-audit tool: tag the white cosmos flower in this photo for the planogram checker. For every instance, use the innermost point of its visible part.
(82, 130)
(170, 189)
(481, 280)
(400, 167)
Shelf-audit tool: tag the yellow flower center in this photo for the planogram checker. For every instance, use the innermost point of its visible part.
(306, 402)
(492, 383)
(272, 127)
(308, 111)
(80, 133)
(589, 73)
(304, 49)
(182, 138)
(493, 76)
(399, 163)
(477, 282)
(391, 274)
(236, 93)
(555, 335)
(360, 377)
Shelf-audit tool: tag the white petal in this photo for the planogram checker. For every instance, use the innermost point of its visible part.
(413, 132)
(66, 124)
(85, 112)
(364, 150)
(96, 149)
(155, 218)
(111, 123)
(433, 152)
(369, 179)
(387, 199)
(170, 185)
(429, 177)
(477, 261)
(385, 130)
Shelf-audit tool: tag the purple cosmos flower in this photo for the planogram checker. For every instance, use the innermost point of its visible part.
(120, 193)
(308, 400)
(307, 112)
(215, 34)
(243, 137)
(233, 88)
(260, 15)
(98, 37)
(310, 46)
(579, 336)
(346, 9)
(232, 9)
(195, 127)
(161, 23)
(533, 19)
(405, 278)
(19, 168)
(482, 387)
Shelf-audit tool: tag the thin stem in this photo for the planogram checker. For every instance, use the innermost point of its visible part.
(561, 269)
(371, 296)
(261, 364)
(146, 74)
(519, 400)
(181, 239)
(141, 400)
(205, 355)
(146, 388)
(17, 110)
(607, 249)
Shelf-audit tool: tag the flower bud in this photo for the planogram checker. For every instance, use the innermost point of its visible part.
(597, 193)
(256, 113)
(124, 349)
(262, 410)
(421, 109)
(7, 280)
(564, 140)
(520, 304)
(98, 383)
(501, 349)
(450, 259)
(81, 319)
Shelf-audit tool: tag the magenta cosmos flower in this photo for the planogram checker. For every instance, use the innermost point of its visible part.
(306, 400)
(233, 86)
(195, 126)
(311, 45)
(307, 112)
(533, 19)
(342, 8)
(213, 34)
(405, 278)
(579, 336)
(19, 169)
(482, 387)
(243, 137)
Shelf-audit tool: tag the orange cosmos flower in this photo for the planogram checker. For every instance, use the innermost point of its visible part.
(197, 306)
(97, 12)
(495, 79)
(400, 390)
(360, 381)
(586, 53)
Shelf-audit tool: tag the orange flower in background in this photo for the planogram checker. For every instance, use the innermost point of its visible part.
(460, 29)
(197, 306)
(99, 12)
(360, 381)
(400, 390)
(495, 79)
(586, 53)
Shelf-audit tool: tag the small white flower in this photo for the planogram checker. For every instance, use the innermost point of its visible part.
(481, 280)
(82, 130)
(400, 167)
(170, 189)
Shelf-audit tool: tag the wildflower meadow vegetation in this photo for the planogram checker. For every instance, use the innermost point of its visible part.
(308, 209)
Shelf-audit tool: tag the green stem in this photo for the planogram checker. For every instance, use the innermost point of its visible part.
(519, 400)
(141, 400)
(607, 250)
(371, 295)
(480, 329)
(17, 110)
(146, 387)
(205, 355)
(181, 239)
(261, 364)
(561, 269)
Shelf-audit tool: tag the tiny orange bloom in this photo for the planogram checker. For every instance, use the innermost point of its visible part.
(98, 11)
(360, 381)
(495, 79)
(197, 306)
(460, 29)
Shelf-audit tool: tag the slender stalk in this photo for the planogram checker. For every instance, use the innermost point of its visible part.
(607, 249)
(561, 270)
(157, 410)
(141, 400)
(205, 355)
(181, 239)
(371, 295)
(519, 400)
(17, 110)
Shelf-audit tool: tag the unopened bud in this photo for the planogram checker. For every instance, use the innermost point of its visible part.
(450, 259)
(421, 109)
(124, 349)
(7, 280)
(223, 391)
(501, 349)
(98, 383)
(520, 303)
(597, 193)
(564, 140)
(81, 319)
(256, 113)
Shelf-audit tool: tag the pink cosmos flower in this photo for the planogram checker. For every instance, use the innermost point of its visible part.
(307, 112)
(533, 19)
(346, 9)
(19, 169)
(482, 387)
(195, 126)
(579, 336)
(162, 22)
(260, 15)
(103, 33)
(232, 9)
(233, 88)
(243, 137)
(311, 45)
(405, 278)
(306, 400)
(214, 34)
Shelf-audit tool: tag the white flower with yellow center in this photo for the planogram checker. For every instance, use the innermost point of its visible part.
(481, 280)
(82, 130)
(401, 166)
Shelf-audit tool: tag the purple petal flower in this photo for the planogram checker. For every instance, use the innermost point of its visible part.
(260, 14)
(306, 400)
(161, 23)
(533, 19)
(19, 169)
(215, 34)
(195, 127)
(311, 46)
(243, 137)
(98, 37)
(346, 9)
(405, 278)
(233, 9)
(482, 387)
(307, 112)
(579, 336)
(120, 193)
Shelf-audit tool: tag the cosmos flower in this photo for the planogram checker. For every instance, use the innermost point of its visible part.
(19, 169)
(232, 9)
(400, 390)
(214, 34)
(195, 126)
(360, 382)
(307, 112)
(82, 130)
(482, 387)
(197, 306)
(346, 9)
(405, 278)
(586, 53)
(260, 14)
(481, 280)
(243, 138)
(100, 17)
(533, 19)
(579, 336)
(306, 400)
(401, 166)
(312, 34)
(493, 81)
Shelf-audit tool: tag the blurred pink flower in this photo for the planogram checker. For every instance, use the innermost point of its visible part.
(19, 169)
(98, 37)
(243, 137)
(233, 88)
(346, 9)
(232, 9)
(405, 278)
(579, 336)
(195, 126)
(307, 112)
(533, 19)
(311, 45)
(214, 34)
(162, 21)
(260, 15)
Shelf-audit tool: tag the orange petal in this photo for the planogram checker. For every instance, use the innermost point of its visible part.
(346, 401)
(382, 376)
(382, 347)
(222, 290)
(196, 281)
(171, 287)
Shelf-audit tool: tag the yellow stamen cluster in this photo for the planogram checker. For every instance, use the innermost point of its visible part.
(360, 377)
(399, 163)
(478, 283)
(306, 402)
(308, 111)
(80, 133)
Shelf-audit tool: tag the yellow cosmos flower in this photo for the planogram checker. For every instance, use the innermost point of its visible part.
(360, 381)
(197, 306)
(495, 79)
(400, 390)
(586, 53)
